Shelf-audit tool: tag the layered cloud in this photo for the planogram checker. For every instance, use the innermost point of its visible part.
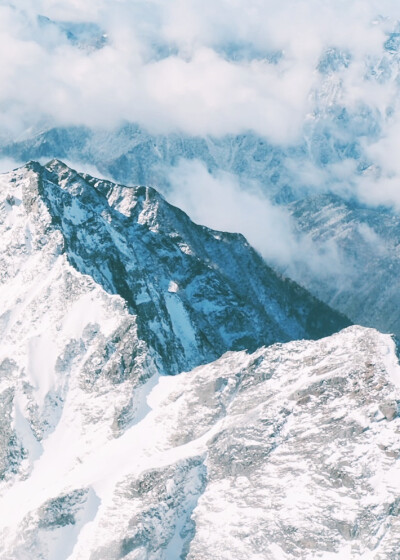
(190, 66)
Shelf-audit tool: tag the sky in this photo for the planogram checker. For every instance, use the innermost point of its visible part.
(223, 67)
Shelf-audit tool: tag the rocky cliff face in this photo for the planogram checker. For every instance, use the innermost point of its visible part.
(195, 293)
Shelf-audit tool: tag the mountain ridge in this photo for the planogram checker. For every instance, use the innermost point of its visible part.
(131, 154)
(184, 253)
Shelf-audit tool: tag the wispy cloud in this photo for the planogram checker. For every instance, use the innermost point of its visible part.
(217, 200)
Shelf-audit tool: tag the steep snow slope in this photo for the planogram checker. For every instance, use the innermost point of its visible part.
(290, 452)
(106, 287)
(61, 334)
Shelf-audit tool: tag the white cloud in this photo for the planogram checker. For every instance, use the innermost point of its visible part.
(7, 164)
(218, 201)
(196, 89)
(169, 66)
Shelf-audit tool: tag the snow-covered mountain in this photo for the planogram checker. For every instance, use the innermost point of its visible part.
(105, 289)
(131, 155)
(288, 452)
(346, 138)
(195, 291)
(112, 284)
(167, 392)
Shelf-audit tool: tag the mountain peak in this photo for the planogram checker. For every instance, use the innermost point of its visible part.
(134, 244)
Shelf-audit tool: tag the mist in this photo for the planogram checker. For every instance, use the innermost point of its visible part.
(219, 201)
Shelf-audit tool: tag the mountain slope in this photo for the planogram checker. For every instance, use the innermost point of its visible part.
(103, 286)
(288, 452)
(196, 293)
(104, 289)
